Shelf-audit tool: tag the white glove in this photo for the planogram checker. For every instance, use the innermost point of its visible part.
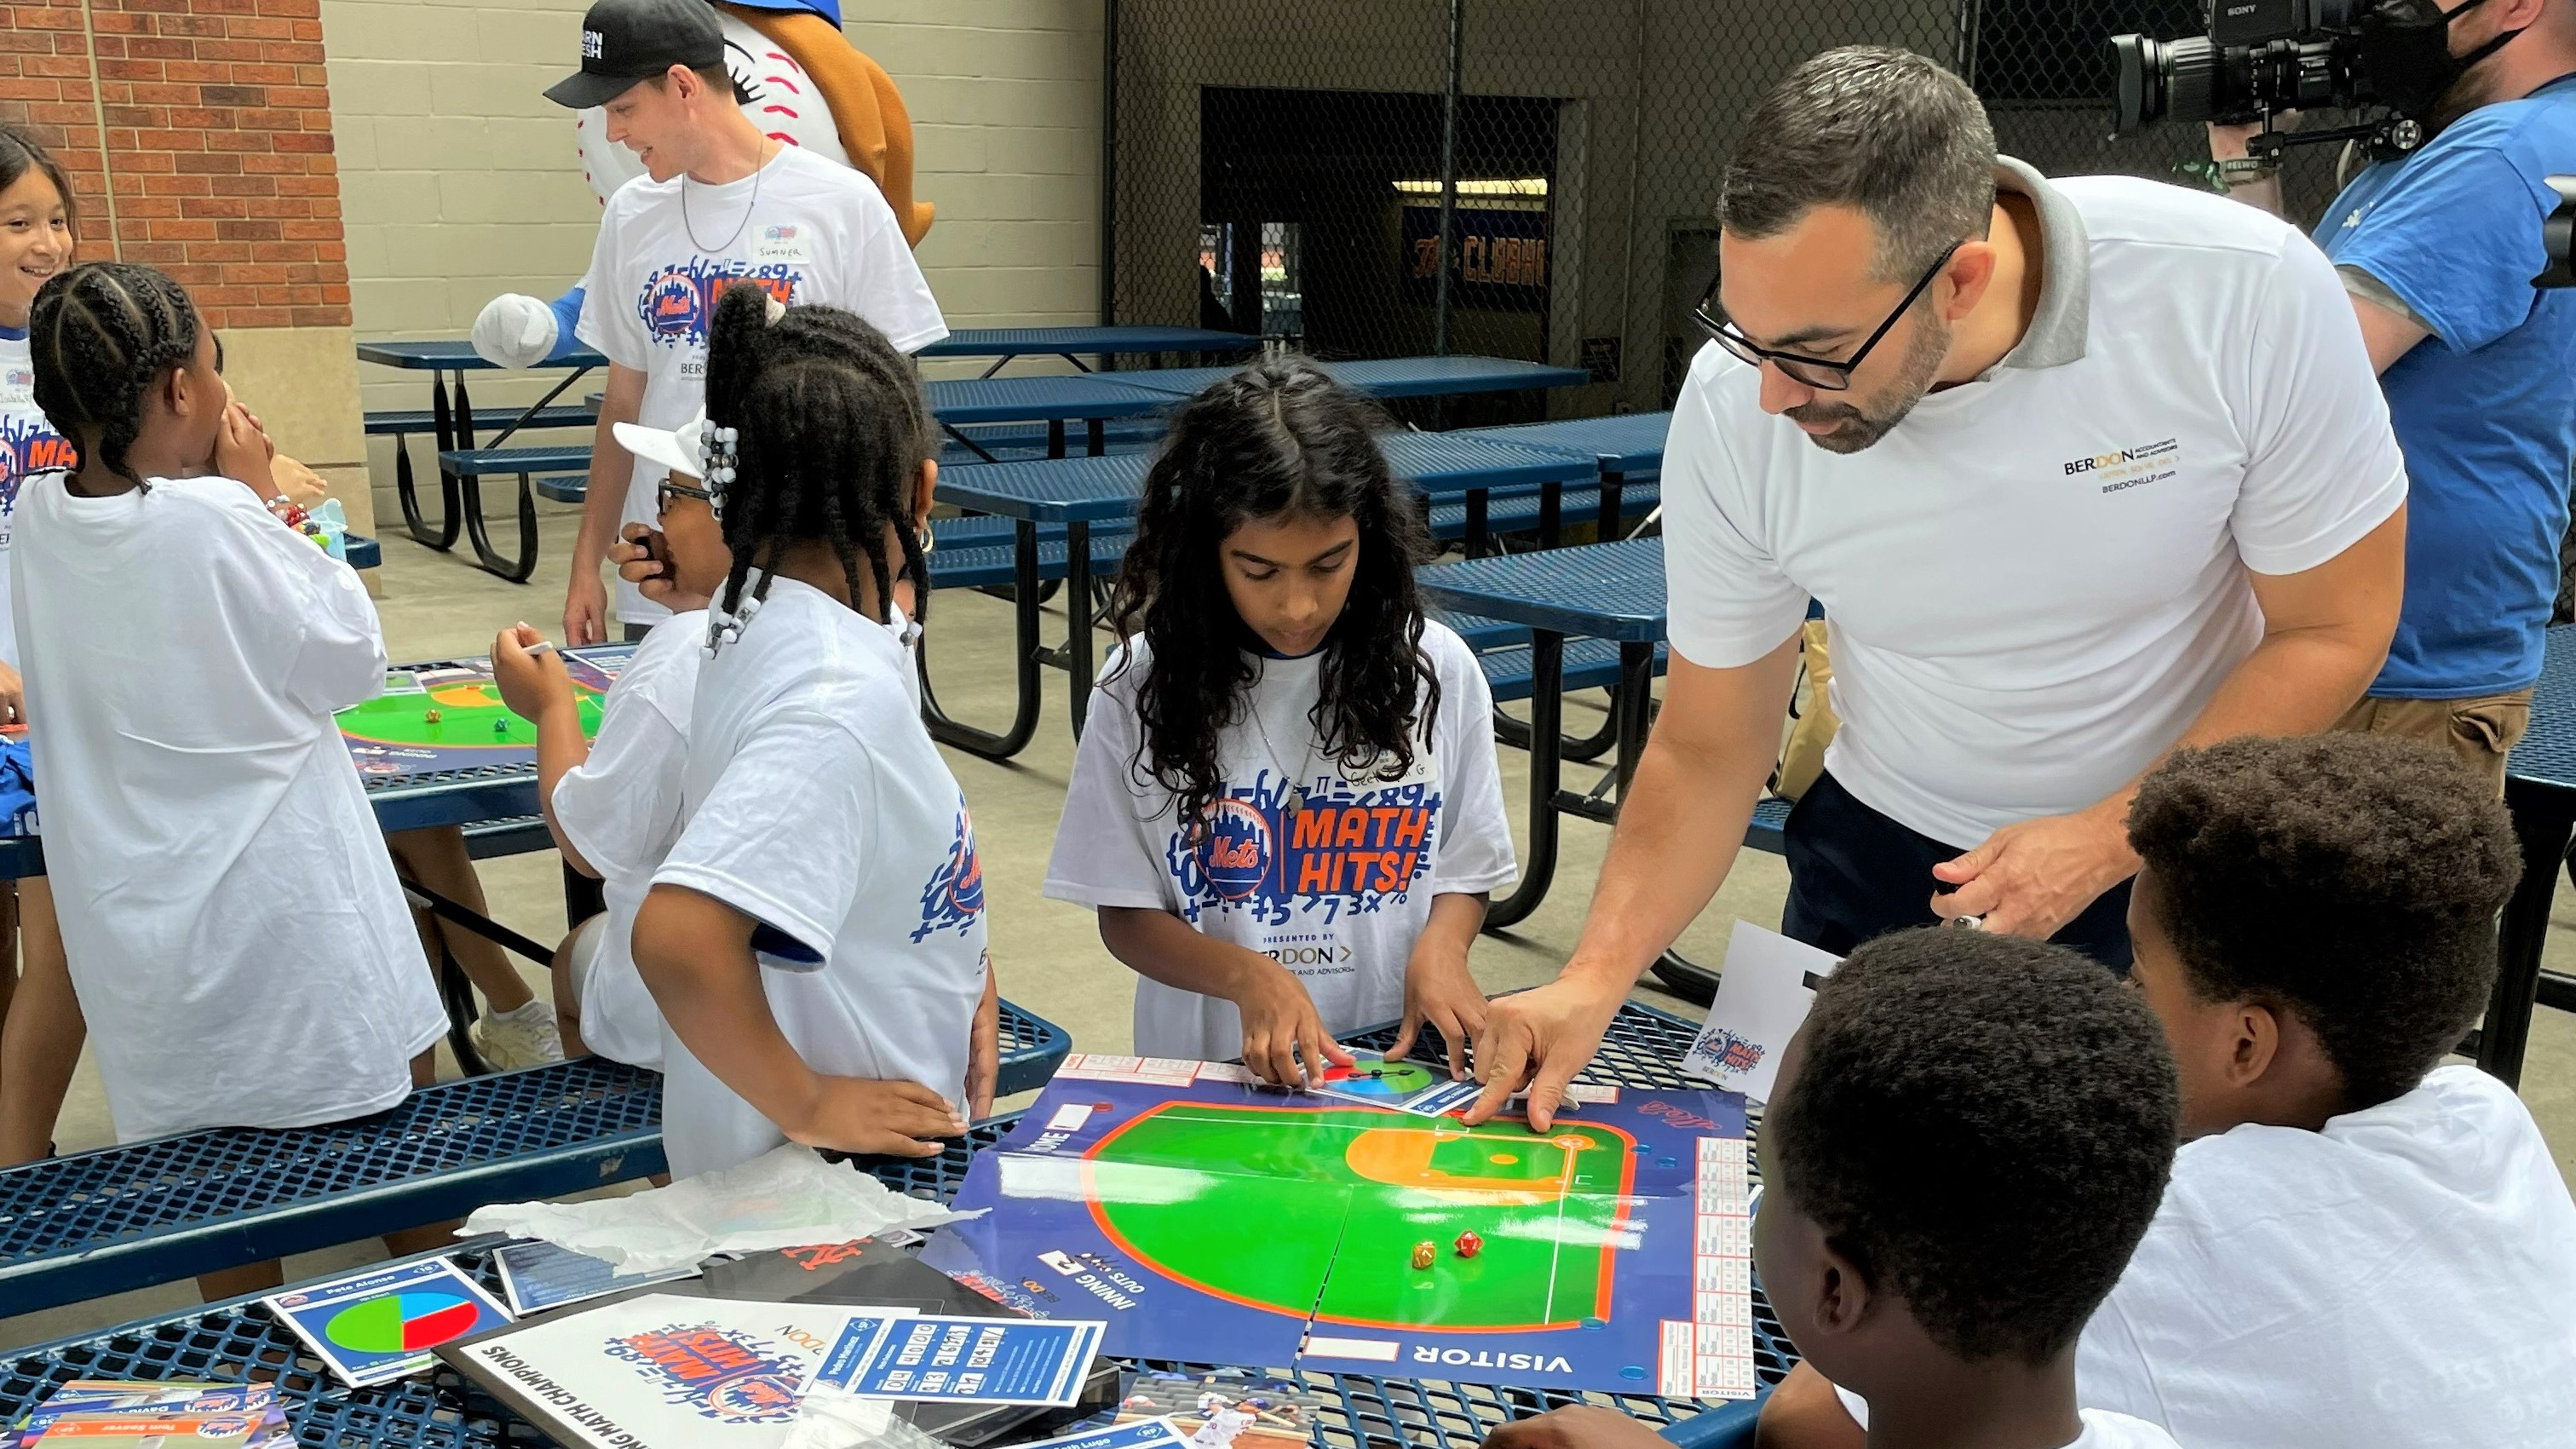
(515, 331)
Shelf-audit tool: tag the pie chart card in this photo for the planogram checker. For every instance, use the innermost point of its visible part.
(382, 1324)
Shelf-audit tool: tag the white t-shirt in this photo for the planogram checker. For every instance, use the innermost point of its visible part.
(807, 230)
(818, 806)
(28, 445)
(622, 810)
(2404, 1279)
(2036, 581)
(1337, 894)
(238, 940)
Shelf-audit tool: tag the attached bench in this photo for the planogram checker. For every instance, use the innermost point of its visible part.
(985, 566)
(461, 473)
(103, 1222)
(1522, 514)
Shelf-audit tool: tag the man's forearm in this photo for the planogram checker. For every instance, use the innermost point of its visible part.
(1681, 825)
(2296, 682)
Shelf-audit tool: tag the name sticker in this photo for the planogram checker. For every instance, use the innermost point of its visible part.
(787, 246)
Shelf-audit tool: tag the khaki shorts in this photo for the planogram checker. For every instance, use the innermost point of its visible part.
(2480, 731)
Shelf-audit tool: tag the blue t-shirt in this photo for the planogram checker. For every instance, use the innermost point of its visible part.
(2485, 408)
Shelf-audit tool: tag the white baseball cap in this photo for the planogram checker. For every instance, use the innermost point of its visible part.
(682, 449)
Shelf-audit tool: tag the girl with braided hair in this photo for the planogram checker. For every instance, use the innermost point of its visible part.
(815, 940)
(211, 847)
(1286, 809)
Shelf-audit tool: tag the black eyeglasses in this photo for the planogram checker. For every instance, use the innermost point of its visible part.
(668, 490)
(1813, 372)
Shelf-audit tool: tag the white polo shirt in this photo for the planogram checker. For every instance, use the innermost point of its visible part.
(2036, 581)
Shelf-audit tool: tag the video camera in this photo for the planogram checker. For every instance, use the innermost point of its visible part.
(2260, 58)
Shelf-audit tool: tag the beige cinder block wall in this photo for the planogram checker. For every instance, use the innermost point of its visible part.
(459, 181)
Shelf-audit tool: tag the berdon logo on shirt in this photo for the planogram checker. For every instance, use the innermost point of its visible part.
(2130, 467)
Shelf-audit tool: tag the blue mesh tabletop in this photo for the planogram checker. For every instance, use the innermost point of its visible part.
(1605, 591)
(236, 1342)
(1631, 444)
(1059, 341)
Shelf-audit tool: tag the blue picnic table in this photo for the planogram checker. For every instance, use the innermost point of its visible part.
(1393, 377)
(240, 1342)
(1629, 448)
(1007, 344)
(1605, 595)
(1074, 494)
(2540, 790)
(450, 420)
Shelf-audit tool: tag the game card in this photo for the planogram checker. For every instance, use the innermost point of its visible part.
(961, 1360)
(1399, 1085)
(376, 1326)
(538, 1276)
(1762, 997)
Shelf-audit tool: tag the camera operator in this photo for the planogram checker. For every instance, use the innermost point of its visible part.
(2438, 250)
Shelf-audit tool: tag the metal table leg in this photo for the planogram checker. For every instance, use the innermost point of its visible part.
(1095, 436)
(1027, 654)
(1547, 708)
(1078, 637)
(1611, 483)
(2544, 821)
(516, 570)
(443, 428)
(1551, 514)
(1055, 437)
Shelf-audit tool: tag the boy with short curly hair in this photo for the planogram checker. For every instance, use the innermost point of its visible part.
(2360, 1245)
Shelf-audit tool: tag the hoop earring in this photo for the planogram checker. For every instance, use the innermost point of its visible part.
(926, 539)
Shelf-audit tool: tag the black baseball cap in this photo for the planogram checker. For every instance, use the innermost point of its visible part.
(625, 41)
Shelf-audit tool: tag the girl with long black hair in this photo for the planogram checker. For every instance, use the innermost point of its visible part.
(1286, 809)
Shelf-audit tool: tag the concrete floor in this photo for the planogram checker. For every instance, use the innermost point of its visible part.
(1049, 955)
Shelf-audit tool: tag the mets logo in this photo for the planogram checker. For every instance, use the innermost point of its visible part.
(1734, 1053)
(721, 1373)
(954, 898)
(1234, 849)
(678, 300)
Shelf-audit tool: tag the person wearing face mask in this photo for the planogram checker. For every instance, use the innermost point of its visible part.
(2080, 470)
(2437, 249)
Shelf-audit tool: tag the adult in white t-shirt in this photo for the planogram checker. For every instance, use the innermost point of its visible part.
(818, 807)
(720, 204)
(2077, 471)
(1337, 892)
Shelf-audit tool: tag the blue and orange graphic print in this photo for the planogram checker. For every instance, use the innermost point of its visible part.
(722, 1373)
(1347, 853)
(27, 447)
(679, 300)
(954, 898)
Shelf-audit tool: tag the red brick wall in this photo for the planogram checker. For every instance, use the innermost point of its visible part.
(217, 116)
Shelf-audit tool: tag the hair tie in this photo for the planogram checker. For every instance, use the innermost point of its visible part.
(718, 444)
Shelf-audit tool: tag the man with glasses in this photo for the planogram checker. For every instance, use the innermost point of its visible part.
(2079, 471)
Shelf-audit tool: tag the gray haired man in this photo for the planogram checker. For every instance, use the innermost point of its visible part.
(2079, 470)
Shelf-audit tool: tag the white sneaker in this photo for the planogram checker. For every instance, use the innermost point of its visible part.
(508, 1041)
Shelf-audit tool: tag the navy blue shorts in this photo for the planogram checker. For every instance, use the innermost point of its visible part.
(1854, 874)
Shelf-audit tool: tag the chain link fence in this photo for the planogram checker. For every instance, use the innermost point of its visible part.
(1291, 167)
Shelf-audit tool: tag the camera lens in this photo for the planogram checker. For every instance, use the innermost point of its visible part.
(2141, 90)
(2194, 78)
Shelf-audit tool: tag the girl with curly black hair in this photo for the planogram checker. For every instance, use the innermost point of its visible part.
(1286, 809)
(815, 940)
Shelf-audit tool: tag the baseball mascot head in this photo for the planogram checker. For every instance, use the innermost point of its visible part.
(794, 74)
